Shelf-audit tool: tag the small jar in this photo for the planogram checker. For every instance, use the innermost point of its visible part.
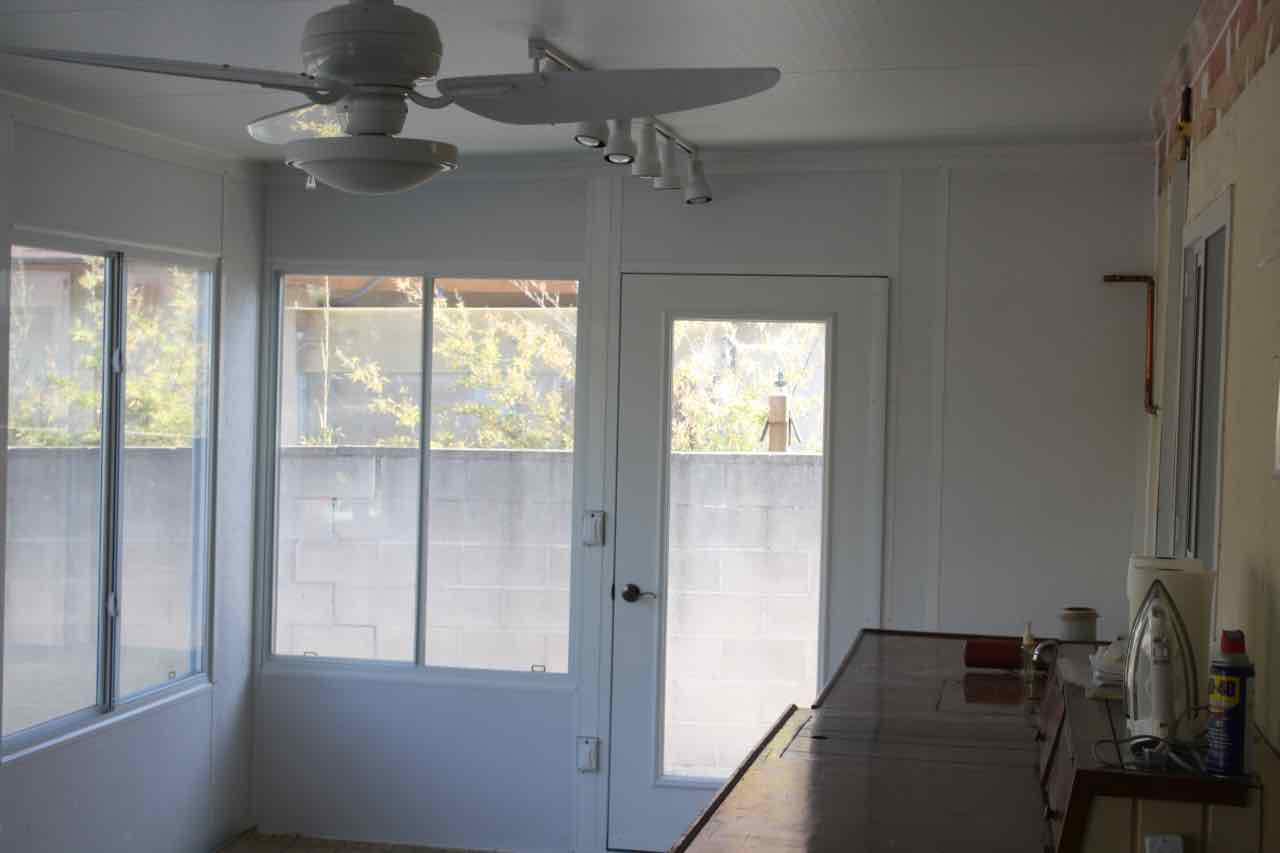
(1079, 625)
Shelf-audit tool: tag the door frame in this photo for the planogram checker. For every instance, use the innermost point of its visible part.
(592, 716)
(854, 310)
(596, 479)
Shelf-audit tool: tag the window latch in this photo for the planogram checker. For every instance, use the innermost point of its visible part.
(112, 609)
(117, 360)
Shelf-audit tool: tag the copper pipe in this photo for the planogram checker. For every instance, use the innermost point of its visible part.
(1149, 401)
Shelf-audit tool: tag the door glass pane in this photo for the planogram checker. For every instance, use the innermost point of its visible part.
(164, 475)
(500, 497)
(52, 519)
(349, 466)
(744, 530)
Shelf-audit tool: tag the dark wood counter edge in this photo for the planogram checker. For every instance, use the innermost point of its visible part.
(691, 833)
(894, 632)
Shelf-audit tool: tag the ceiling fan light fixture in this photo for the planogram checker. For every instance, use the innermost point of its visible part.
(621, 150)
(697, 190)
(371, 165)
(591, 134)
(670, 178)
(647, 164)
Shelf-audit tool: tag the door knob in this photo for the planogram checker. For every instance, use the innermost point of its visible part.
(632, 593)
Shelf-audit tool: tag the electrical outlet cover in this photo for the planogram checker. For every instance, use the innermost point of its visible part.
(1164, 843)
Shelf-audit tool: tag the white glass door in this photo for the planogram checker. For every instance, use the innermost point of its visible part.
(751, 423)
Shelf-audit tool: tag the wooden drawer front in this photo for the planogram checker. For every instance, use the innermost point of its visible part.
(1049, 727)
(1062, 773)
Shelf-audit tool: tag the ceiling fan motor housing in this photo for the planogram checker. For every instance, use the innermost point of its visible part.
(362, 114)
(372, 43)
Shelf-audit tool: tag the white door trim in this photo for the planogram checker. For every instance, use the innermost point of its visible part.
(593, 620)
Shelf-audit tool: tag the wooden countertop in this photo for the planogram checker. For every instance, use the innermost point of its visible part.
(905, 750)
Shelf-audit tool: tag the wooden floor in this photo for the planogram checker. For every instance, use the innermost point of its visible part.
(257, 843)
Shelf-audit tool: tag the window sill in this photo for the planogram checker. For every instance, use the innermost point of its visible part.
(407, 673)
(85, 724)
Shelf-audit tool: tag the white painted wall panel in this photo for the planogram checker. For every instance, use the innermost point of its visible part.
(176, 778)
(800, 219)
(473, 767)
(1043, 393)
(914, 457)
(231, 805)
(71, 184)
(141, 787)
(519, 219)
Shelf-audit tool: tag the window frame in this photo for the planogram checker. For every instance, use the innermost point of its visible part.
(268, 459)
(110, 706)
(1180, 480)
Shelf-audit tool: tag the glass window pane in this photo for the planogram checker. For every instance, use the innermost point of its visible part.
(744, 535)
(164, 476)
(500, 508)
(52, 518)
(349, 466)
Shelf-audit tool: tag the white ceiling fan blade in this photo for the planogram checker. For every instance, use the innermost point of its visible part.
(309, 121)
(303, 83)
(555, 97)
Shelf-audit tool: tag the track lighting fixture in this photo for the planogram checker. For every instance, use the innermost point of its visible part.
(696, 188)
(647, 164)
(621, 150)
(670, 177)
(591, 134)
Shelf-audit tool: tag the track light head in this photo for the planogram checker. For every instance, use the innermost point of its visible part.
(670, 167)
(591, 134)
(696, 188)
(647, 164)
(621, 150)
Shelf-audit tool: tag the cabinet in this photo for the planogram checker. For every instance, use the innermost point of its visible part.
(1091, 805)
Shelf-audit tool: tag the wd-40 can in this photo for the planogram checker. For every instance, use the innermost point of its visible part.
(1229, 706)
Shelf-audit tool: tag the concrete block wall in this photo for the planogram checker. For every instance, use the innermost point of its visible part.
(744, 585)
(52, 577)
(497, 566)
(744, 573)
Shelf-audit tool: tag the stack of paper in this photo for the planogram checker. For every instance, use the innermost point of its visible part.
(1108, 665)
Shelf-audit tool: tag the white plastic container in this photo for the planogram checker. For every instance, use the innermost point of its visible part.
(1079, 625)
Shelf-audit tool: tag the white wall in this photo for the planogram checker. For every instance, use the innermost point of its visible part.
(1015, 419)
(1043, 408)
(173, 778)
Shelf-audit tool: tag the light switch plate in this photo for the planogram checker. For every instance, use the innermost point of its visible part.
(589, 754)
(1164, 843)
(593, 527)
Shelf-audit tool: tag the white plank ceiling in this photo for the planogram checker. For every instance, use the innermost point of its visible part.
(854, 71)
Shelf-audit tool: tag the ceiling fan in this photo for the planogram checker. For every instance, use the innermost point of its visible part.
(363, 62)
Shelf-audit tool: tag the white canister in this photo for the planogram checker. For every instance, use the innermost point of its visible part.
(1079, 624)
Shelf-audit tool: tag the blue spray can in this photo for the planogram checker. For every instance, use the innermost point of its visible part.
(1229, 707)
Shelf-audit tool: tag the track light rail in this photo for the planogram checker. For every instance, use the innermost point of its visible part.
(541, 50)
